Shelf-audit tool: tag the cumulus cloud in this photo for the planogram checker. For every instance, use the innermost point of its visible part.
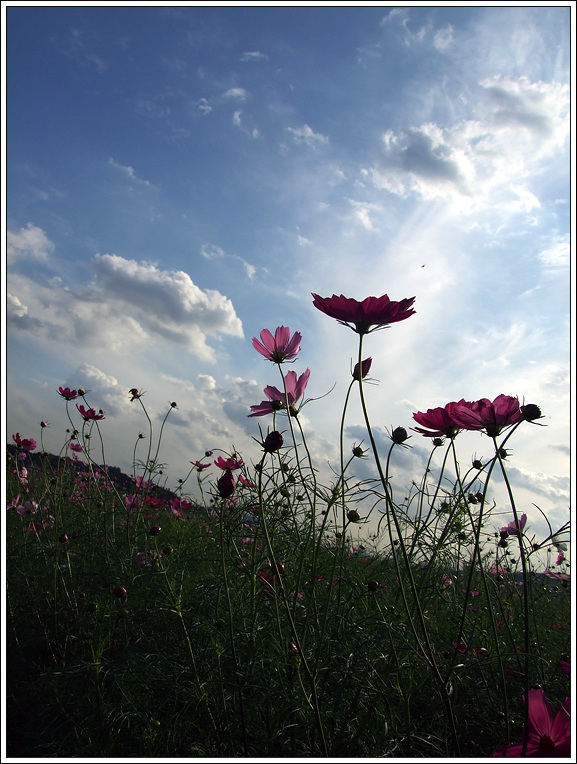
(305, 134)
(127, 304)
(30, 241)
(518, 124)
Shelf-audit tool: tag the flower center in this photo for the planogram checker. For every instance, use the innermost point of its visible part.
(546, 744)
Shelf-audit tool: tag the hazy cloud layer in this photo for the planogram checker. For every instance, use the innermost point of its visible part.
(518, 124)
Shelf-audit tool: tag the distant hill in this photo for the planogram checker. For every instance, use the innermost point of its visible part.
(121, 479)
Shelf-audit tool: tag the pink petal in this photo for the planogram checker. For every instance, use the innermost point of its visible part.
(540, 716)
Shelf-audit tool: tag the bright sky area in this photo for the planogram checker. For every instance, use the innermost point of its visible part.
(179, 178)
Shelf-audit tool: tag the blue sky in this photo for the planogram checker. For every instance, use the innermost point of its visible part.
(179, 178)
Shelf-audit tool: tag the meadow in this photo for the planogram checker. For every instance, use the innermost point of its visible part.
(239, 616)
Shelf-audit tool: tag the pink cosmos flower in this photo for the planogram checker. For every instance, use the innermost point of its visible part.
(548, 737)
(246, 482)
(491, 417)
(295, 387)
(200, 466)
(374, 312)
(26, 444)
(440, 421)
(512, 529)
(89, 414)
(67, 393)
(560, 557)
(279, 348)
(75, 447)
(229, 464)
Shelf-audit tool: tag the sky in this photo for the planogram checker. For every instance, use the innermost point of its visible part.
(180, 177)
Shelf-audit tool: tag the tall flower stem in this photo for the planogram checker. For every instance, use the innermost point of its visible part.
(391, 511)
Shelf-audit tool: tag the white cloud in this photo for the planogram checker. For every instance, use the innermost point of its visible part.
(128, 171)
(203, 106)
(362, 213)
(306, 135)
(239, 94)
(30, 241)
(443, 38)
(127, 305)
(253, 55)
(519, 124)
(212, 252)
(556, 256)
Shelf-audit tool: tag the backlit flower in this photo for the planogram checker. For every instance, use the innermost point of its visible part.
(200, 466)
(281, 347)
(512, 529)
(548, 737)
(370, 314)
(89, 414)
(26, 444)
(439, 421)
(229, 464)
(67, 393)
(277, 400)
(491, 417)
(273, 441)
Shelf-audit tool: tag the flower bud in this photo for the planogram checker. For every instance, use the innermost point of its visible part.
(358, 451)
(365, 368)
(273, 441)
(399, 435)
(477, 464)
(372, 586)
(120, 592)
(438, 442)
(155, 530)
(353, 516)
(226, 484)
(531, 412)
(81, 391)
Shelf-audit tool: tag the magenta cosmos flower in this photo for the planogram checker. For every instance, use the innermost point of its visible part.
(548, 737)
(491, 417)
(295, 387)
(512, 529)
(89, 414)
(229, 464)
(26, 444)
(67, 393)
(440, 421)
(281, 347)
(375, 312)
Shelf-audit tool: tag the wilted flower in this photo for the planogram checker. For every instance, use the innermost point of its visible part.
(279, 348)
(547, 736)
(374, 312)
